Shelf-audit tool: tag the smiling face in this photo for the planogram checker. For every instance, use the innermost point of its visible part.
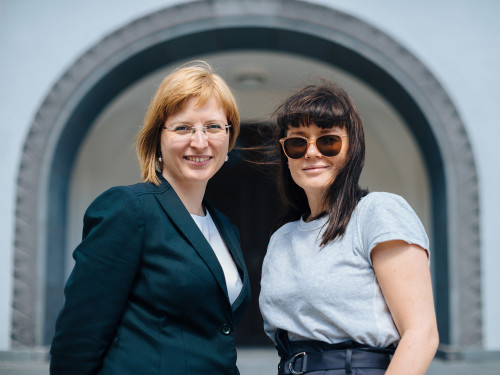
(190, 161)
(314, 172)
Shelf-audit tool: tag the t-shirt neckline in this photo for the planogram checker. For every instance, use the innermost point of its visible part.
(312, 225)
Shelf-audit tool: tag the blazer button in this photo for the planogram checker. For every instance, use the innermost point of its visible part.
(226, 329)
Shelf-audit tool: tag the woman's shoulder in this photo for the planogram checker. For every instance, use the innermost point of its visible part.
(281, 237)
(116, 198)
(383, 204)
(286, 229)
(134, 189)
(383, 201)
(118, 204)
(123, 198)
(387, 215)
(147, 187)
(381, 197)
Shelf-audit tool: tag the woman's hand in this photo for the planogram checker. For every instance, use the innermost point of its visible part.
(403, 273)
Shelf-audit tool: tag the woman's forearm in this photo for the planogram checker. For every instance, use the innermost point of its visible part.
(415, 352)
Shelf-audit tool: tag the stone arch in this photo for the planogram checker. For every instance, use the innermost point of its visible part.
(217, 25)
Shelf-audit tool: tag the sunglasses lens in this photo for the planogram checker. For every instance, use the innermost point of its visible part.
(329, 145)
(295, 148)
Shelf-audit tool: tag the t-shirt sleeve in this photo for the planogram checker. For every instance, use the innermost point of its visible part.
(386, 217)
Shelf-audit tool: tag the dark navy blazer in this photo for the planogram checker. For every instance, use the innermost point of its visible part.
(147, 294)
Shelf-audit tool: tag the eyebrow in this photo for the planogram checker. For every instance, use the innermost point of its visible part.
(187, 122)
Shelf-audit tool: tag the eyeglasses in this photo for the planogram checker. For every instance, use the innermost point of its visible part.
(211, 130)
(295, 147)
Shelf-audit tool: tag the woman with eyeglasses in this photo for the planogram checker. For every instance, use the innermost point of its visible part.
(159, 281)
(346, 286)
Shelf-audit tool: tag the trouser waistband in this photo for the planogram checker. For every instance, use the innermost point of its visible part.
(301, 357)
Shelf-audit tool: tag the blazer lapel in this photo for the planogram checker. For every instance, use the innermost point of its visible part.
(233, 245)
(229, 238)
(177, 212)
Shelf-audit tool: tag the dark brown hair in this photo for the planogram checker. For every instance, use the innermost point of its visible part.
(326, 105)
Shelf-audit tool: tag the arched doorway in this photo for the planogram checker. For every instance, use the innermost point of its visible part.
(207, 26)
(246, 192)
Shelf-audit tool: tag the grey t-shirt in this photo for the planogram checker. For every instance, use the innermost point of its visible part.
(330, 293)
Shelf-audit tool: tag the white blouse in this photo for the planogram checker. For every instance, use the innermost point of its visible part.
(209, 230)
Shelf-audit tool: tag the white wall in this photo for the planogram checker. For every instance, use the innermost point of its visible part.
(456, 39)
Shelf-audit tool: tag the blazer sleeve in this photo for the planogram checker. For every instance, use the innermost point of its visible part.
(106, 264)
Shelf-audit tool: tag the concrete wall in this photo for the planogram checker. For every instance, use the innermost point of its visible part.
(456, 39)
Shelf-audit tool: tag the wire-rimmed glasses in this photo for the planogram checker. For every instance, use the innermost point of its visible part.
(213, 129)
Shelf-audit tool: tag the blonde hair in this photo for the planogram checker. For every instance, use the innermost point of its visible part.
(187, 81)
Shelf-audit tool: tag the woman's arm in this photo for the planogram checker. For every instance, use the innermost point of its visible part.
(403, 273)
(107, 261)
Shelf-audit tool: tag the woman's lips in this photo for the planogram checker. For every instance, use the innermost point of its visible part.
(198, 158)
(314, 167)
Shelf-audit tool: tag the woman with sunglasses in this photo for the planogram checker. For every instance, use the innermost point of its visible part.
(346, 286)
(159, 281)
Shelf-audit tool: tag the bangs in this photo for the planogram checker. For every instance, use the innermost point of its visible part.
(212, 88)
(209, 92)
(203, 93)
(312, 106)
(323, 121)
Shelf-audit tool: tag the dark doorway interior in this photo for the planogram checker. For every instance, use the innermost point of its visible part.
(246, 192)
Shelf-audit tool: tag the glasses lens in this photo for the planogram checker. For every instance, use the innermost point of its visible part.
(181, 130)
(216, 129)
(329, 145)
(295, 148)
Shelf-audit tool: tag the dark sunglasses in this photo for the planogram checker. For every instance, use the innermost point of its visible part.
(295, 147)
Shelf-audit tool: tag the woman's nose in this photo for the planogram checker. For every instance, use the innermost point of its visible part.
(199, 138)
(312, 150)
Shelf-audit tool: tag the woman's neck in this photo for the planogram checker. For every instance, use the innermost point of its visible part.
(316, 205)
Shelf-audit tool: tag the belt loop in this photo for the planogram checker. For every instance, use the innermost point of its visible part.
(282, 342)
(348, 361)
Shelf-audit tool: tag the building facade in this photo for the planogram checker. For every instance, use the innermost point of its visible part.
(77, 79)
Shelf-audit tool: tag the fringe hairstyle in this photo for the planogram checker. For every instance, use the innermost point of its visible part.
(325, 105)
(194, 79)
